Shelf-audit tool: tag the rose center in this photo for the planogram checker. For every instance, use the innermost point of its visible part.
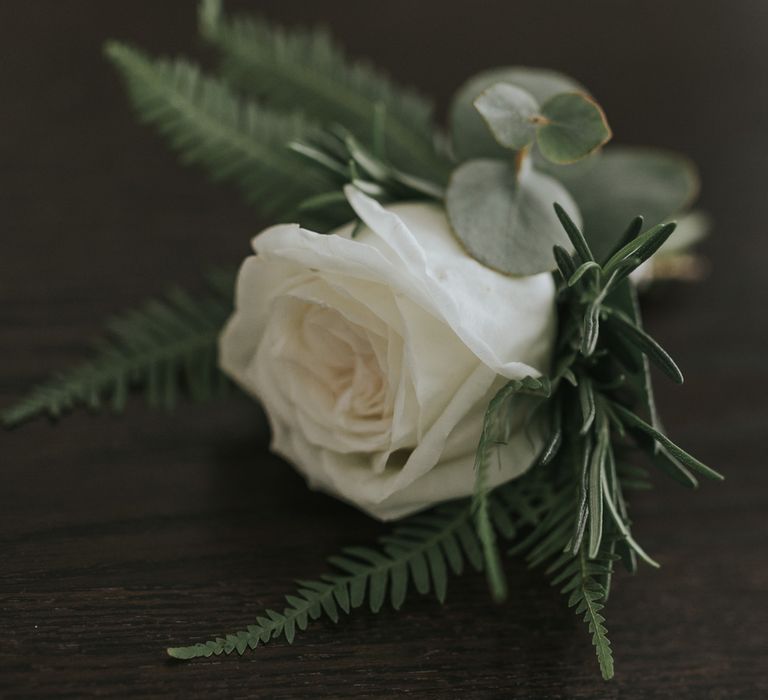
(347, 363)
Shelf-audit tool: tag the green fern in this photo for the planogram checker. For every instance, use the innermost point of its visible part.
(419, 554)
(165, 347)
(584, 579)
(304, 70)
(587, 596)
(235, 140)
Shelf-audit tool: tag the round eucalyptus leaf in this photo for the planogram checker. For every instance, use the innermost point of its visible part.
(470, 134)
(505, 219)
(614, 186)
(575, 126)
(510, 113)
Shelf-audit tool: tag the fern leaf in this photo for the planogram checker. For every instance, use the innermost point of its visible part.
(235, 140)
(584, 579)
(304, 70)
(588, 597)
(419, 554)
(165, 346)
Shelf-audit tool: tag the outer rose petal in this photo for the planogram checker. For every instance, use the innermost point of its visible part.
(459, 325)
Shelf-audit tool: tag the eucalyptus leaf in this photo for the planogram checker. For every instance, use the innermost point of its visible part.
(575, 126)
(470, 134)
(620, 182)
(510, 113)
(505, 218)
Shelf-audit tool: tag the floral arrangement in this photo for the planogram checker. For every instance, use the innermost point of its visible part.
(450, 335)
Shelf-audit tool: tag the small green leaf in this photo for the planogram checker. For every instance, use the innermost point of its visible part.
(590, 332)
(511, 114)
(564, 262)
(623, 352)
(587, 405)
(582, 509)
(672, 468)
(645, 344)
(575, 126)
(574, 234)
(641, 248)
(596, 484)
(505, 219)
(622, 525)
(470, 134)
(581, 270)
(633, 421)
(632, 232)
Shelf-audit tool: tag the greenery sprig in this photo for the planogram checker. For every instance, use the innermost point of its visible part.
(166, 348)
(419, 554)
(599, 388)
(305, 70)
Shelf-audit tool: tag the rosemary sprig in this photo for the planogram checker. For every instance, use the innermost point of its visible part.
(601, 410)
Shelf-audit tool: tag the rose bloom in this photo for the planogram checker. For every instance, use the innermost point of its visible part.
(375, 357)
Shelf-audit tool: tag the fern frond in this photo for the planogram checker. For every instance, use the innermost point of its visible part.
(584, 579)
(207, 124)
(165, 347)
(304, 70)
(588, 596)
(419, 553)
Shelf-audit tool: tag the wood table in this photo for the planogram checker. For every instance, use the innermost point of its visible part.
(122, 535)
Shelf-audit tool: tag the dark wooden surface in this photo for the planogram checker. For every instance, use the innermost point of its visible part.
(120, 536)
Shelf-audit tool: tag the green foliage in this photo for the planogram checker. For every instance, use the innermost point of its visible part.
(346, 160)
(567, 127)
(504, 217)
(164, 347)
(584, 579)
(418, 554)
(511, 114)
(234, 139)
(595, 424)
(501, 208)
(550, 120)
(574, 126)
(469, 133)
(304, 71)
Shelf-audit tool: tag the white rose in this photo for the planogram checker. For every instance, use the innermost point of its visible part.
(375, 357)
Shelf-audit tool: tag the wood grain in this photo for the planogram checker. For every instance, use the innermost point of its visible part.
(120, 536)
